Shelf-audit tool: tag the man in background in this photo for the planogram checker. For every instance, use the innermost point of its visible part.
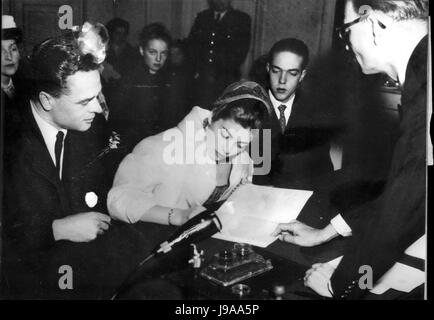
(386, 37)
(299, 144)
(219, 41)
(121, 56)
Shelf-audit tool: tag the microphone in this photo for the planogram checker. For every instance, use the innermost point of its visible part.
(200, 227)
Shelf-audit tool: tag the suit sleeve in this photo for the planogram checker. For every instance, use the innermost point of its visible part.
(26, 224)
(381, 236)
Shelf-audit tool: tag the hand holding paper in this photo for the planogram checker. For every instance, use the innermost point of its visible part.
(300, 234)
(253, 212)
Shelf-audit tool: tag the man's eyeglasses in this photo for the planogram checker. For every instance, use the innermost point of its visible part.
(344, 30)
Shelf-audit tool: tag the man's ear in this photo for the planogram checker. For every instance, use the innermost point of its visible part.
(46, 100)
(303, 74)
(267, 67)
(142, 52)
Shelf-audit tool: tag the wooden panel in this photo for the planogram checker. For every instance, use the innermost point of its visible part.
(39, 18)
(6, 7)
(135, 12)
(309, 20)
(38, 24)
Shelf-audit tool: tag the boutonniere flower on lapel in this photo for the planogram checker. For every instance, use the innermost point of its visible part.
(113, 143)
(114, 140)
(91, 199)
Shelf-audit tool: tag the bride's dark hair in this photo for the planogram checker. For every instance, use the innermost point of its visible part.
(249, 113)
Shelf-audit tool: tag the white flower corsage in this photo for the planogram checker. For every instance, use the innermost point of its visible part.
(114, 140)
(92, 39)
(91, 199)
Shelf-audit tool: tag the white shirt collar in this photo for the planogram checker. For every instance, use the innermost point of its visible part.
(276, 103)
(49, 133)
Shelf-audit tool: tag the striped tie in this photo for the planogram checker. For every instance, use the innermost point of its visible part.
(282, 119)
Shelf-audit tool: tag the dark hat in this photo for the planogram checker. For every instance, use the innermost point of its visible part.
(244, 90)
(10, 30)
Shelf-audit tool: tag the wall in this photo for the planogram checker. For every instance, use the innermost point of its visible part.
(309, 20)
(335, 85)
(5, 7)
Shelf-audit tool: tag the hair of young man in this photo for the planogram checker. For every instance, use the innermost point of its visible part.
(155, 31)
(115, 23)
(53, 61)
(293, 45)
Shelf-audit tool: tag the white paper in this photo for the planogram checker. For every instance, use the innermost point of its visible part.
(418, 249)
(253, 212)
(400, 277)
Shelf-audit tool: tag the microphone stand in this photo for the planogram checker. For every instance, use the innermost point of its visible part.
(206, 219)
(131, 276)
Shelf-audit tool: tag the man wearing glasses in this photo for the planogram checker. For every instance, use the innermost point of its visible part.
(385, 37)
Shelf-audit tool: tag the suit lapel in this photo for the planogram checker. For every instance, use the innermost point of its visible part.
(295, 113)
(39, 158)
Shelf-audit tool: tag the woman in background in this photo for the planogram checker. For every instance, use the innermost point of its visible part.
(171, 176)
(138, 106)
(11, 37)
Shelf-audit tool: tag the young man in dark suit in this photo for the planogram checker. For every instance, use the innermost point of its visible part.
(54, 201)
(389, 37)
(219, 41)
(299, 142)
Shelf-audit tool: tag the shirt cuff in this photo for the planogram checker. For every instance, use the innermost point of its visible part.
(341, 226)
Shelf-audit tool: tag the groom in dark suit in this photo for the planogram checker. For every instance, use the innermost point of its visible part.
(299, 143)
(54, 198)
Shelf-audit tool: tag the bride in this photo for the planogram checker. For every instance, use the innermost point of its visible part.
(173, 175)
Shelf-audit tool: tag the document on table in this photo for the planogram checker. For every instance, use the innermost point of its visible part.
(253, 212)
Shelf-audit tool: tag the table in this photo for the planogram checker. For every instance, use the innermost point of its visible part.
(290, 263)
(101, 266)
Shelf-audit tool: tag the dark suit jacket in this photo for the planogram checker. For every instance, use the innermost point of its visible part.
(382, 230)
(11, 111)
(221, 46)
(300, 156)
(35, 196)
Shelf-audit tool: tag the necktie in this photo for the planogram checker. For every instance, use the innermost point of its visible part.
(282, 119)
(217, 16)
(58, 150)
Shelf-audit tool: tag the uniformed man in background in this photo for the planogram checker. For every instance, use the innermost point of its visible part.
(219, 41)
